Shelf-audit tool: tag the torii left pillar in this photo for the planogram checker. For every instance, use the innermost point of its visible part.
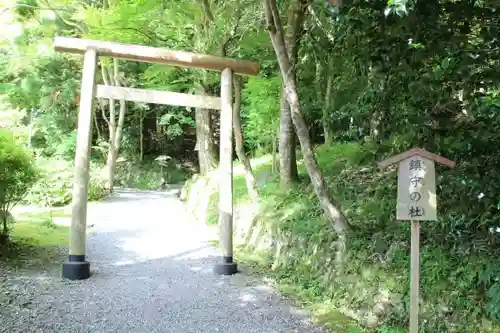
(77, 268)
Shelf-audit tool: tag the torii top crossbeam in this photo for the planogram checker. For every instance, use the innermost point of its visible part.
(156, 55)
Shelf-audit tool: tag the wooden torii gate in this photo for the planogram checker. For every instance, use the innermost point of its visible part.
(77, 267)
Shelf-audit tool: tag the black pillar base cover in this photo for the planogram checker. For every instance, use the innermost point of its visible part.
(227, 267)
(76, 268)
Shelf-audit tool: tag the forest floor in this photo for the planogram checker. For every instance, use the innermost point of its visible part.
(152, 272)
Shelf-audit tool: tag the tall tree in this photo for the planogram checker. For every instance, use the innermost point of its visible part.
(205, 145)
(223, 43)
(330, 207)
(115, 124)
(324, 93)
(294, 31)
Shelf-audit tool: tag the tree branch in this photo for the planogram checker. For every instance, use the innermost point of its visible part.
(328, 35)
(206, 10)
(103, 111)
(31, 6)
(152, 38)
(276, 28)
(276, 19)
(229, 38)
(223, 43)
(115, 72)
(232, 34)
(271, 25)
(71, 24)
(107, 78)
(123, 107)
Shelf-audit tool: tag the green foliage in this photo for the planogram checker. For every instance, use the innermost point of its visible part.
(424, 74)
(150, 175)
(56, 185)
(17, 175)
(175, 121)
(260, 111)
(26, 8)
(67, 148)
(459, 287)
(46, 89)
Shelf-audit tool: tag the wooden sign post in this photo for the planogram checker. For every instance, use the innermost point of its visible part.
(416, 202)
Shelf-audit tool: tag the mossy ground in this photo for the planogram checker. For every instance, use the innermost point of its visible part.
(35, 240)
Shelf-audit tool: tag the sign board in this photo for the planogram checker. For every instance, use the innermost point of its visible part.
(416, 202)
(416, 190)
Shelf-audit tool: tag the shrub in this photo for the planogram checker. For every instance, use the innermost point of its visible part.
(67, 148)
(56, 185)
(18, 174)
(150, 175)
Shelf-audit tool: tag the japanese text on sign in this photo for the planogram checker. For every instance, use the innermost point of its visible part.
(416, 189)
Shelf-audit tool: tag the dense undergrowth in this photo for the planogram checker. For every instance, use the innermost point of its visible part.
(56, 183)
(36, 240)
(53, 155)
(459, 284)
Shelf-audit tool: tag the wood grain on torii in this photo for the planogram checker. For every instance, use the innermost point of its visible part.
(156, 55)
(77, 267)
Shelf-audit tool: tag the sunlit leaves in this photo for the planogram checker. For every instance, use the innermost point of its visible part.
(24, 9)
(175, 120)
(167, 78)
(398, 7)
(261, 109)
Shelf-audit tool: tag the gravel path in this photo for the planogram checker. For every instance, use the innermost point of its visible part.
(152, 272)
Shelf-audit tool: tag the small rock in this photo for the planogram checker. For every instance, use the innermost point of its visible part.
(26, 304)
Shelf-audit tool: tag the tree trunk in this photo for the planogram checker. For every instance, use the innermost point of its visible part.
(205, 145)
(96, 125)
(275, 150)
(288, 159)
(115, 129)
(238, 138)
(376, 122)
(330, 207)
(159, 128)
(111, 121)
(327, 130)
(375, 125)
(321, 73)
(4, 234)
(286, 145)
(123, 109)
(141, 136)
(274, 167)
(207, 153)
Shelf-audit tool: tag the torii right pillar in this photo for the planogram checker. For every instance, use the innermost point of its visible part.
(227, 266)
